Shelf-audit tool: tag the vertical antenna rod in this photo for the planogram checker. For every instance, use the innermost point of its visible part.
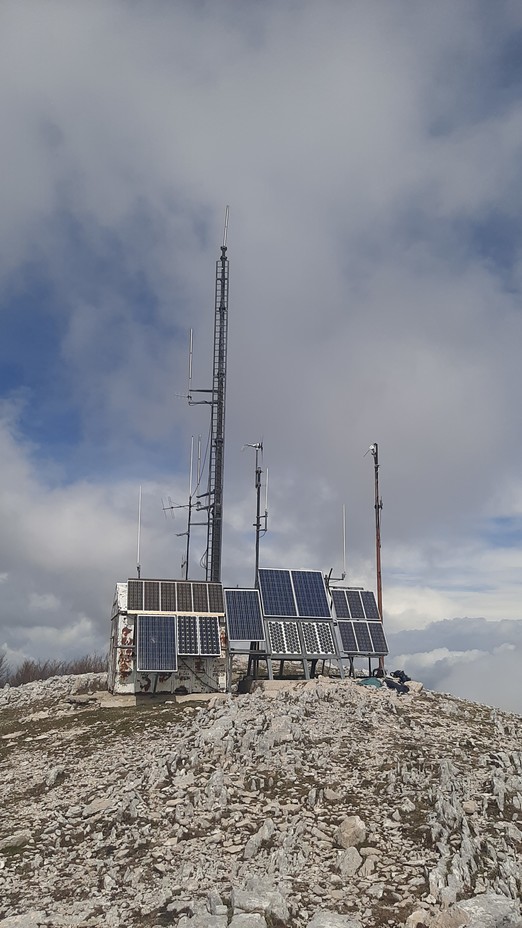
(261, 523)
(217, 444)
(138, 565)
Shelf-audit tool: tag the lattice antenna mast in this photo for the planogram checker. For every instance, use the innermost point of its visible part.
(217, 424)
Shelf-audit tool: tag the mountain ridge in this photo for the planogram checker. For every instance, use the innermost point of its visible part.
(319, 803)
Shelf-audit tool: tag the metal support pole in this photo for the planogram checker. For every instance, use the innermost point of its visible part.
(378, 507)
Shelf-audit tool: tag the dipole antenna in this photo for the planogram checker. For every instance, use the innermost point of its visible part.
(189, 506)
(261, 523)
(374, 450)
(214, 494)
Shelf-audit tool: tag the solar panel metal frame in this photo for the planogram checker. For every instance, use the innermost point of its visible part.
(248, 602)
(147, 627)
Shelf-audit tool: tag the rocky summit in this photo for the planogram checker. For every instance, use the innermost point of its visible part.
(324, 804)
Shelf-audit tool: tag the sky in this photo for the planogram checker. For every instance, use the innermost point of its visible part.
(370, 154)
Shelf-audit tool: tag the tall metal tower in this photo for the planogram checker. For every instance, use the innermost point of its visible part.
(216, 466)
(216, 463)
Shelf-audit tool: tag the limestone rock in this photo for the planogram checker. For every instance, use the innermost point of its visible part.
(351, 832)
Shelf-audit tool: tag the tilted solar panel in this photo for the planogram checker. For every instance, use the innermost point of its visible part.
(364, 642)
(310, 594)
(244, 618)
(340, 604)
(276, 592)
(317, 637)
(370, 606)
(311, 644)
(348, 637)
(355, 604)
(156, 644)
(283, 638)
(378, 637)
(326, 642)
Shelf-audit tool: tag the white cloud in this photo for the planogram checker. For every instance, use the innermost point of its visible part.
(365, 159)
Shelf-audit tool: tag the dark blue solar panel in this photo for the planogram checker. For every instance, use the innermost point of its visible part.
(378, 638)
(355, 604)
(209, 643)
(348, 638)
(276, 592)
(310, 594)
(156, 645)
(340, 604)
(370, 606)
(362, 635)
(244, 619)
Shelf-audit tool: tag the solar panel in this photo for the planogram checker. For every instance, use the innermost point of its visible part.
(311, 644)
(134, 594)
(283, 638)
(199, 595)
(244, 618)
(185, 596)
(317, 637)
(156, 644)
(348, 637)
(326, 642)
(378, 638)
(340, 604)
(209, 642)
(215, 598)
(370, 606)
(187, 634)
(364, 642)
(276, 592)
(292, 637)
(355, 604)
(168, 596)
(151, 595)
(310, 594)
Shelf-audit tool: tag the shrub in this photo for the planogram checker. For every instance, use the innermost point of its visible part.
(30, 670)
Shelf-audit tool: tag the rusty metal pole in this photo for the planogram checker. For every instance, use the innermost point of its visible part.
(378, 506)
